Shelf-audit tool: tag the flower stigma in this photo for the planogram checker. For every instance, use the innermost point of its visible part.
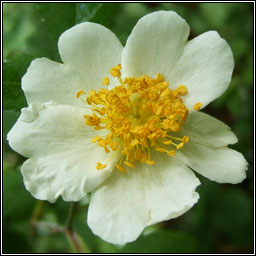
(140, 114)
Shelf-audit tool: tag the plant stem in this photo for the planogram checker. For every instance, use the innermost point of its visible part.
(36, 215)
(78, 245)
(71, 213)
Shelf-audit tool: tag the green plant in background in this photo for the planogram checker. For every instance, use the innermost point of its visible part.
(209, 227)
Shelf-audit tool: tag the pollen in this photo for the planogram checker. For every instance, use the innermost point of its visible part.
(140, 115)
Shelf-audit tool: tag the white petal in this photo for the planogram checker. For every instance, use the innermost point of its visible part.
(88, 51)
(205, 68)
(155, 44)
(223, 165)
(47, 80)
(63, 158)
(207, 130)
(91, 50)
(127, 203)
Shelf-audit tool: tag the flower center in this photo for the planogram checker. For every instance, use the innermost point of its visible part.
(141, 114)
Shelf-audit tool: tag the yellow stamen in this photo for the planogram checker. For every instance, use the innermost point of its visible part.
(167, 142)
(160, 149)
(171, 153)
(182, 90)
(120, 168)
(79, 94)
(96, 138)
(115, 71)
(185, 139)
(140, 114)
(180, 145)
(150, 162)
(106, 149)
(100, 166)
(129, 164)
(113, 145)
(198, 106)
(92, 120)
(105, 81)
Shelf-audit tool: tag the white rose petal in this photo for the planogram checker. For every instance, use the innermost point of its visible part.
(205, 67)
(155, 44)
(158, 43)
(88, 51)
(223, 164)
(62, 157)
(205, 129)
(127, 203)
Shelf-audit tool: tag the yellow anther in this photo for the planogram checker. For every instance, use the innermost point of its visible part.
(150, 162)
(96, 138)
(134, 142)
(113, 145)
(93, 120)
(89, 100)
(100, 166)
(129, 164)
(160, 149)
(120, 168)
(182, 90)
(115, 71)
(165, 93)
(99, 128)
(101, 111)
(105, 81)
(180, 145)
(79, 94)
(101, 143)
(171, 153)
(167, 142)
(185, 139)
(159, 110)
(198, 106)
(159, 78)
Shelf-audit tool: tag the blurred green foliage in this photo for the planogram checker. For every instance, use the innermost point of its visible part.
(222, 221)
(14, 67)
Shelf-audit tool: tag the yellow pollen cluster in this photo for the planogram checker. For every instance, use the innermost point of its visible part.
(141, 114)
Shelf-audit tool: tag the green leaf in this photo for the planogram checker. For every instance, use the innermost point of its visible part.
(14, 67)
(17, 202)
(162, 242)
(216, 14)
(21, 241)
(52, 244)
(222, 219)
(57, 17)
(16, 27)
(103, 14)
(234, 217)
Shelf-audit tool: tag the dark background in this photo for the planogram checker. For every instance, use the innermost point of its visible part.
(222, 220)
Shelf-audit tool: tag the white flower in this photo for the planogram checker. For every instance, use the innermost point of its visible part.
(64, 161)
